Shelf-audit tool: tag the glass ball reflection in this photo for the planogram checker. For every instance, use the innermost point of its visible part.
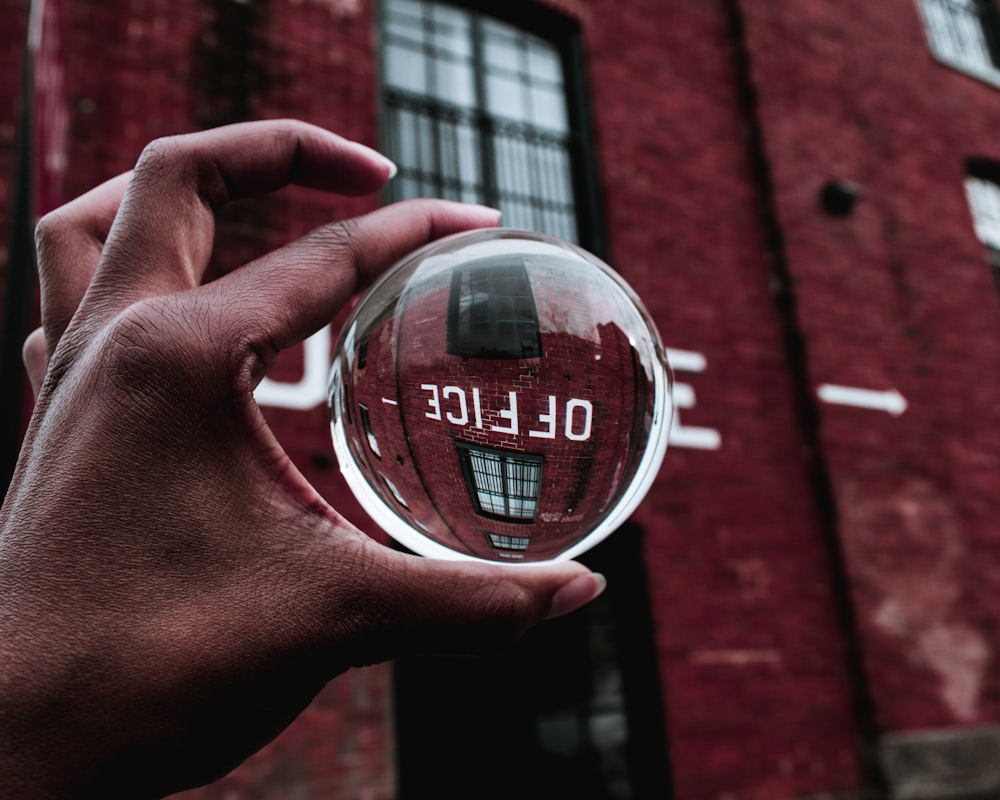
(500, 395)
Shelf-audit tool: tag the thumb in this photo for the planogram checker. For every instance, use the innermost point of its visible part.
(469, 608)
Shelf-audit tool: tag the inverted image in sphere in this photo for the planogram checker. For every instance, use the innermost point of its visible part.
(500, 395)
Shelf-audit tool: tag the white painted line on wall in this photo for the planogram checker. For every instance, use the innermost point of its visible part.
(890, 401)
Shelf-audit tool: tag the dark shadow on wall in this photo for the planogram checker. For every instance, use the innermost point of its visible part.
(231, 62)
(574, 710)
(234, 65)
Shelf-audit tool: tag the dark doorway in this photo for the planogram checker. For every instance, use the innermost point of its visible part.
(574, 710)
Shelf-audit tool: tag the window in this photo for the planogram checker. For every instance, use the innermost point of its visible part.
(491, 311)
(965, 34)
(367, 424)
(395, 492)
(499, 541)
(984, 201)
(475, 109)
(502, 485)
(363, 353)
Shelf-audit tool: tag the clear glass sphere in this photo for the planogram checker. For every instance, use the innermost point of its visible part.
(500, 395)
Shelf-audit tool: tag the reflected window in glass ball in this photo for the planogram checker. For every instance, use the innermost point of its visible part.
(500, 395)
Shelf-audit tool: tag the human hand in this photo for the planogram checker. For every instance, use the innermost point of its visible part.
(172, 591)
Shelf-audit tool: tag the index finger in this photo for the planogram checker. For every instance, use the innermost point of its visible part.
(162, 237)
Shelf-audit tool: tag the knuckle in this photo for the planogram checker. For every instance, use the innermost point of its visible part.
(180, 162)
(133, 342)
(49, 229)
(342, 235)
(157, 343)
(159, 153)
(351, 246)
(163, 161)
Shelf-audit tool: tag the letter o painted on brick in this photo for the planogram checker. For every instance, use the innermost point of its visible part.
(587, 408)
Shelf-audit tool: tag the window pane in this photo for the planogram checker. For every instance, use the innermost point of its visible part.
(404, 69)
(513, 172)
(956, 29)
(984, 200)
(500, 47)
(451, 30)
(403, 20)
(427, 142)
(505, 97)
(366, 423)
(453, 83)
(502, 542)
(467, 153)
(395, 491)
(504, 484)
(543, 62)
(548, 108)
(491, 312)
(557, 173)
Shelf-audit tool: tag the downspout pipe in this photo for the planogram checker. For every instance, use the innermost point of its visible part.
(19, 276)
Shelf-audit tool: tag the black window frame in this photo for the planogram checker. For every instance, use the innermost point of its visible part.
(366, 423)
(988, 172)
(563, 33)
(468, 451)
(505, 541)
(947, 22)
(492, 312)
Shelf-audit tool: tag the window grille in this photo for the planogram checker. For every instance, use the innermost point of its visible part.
(499, 541)
(476, 110)
(965, 33)
(984, 202)
(491, 311)
(502, 485)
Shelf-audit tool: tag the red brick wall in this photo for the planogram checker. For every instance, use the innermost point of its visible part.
(753, 661)
(896, 295)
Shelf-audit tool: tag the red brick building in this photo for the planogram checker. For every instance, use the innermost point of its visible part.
(805, 197)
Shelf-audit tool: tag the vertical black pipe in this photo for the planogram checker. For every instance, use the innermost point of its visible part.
(18, 284)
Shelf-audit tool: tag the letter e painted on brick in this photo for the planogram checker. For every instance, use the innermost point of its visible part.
(433, 401)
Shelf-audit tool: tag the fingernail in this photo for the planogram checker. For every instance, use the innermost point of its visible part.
(496, 211)
(393, 169)
(578, 592)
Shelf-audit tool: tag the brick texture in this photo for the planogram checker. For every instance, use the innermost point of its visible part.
(897, 295)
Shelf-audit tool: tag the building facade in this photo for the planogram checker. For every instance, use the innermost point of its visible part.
(806, 196)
